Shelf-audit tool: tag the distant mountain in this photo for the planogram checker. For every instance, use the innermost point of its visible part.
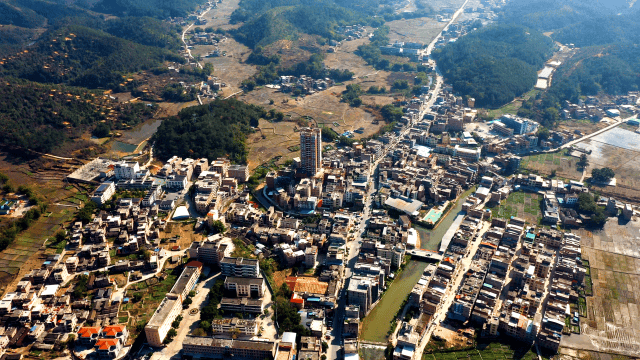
(549, 15)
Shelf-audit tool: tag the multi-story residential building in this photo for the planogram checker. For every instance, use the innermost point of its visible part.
(360, 293)
(242, 326)
(240, 267)
(212, 347)
(245, 286)
(239, 172)
(201, 165)
(311, 150)
(126, 170)
(212, 252)
(187, 280)
(104, 192)
(158, 327)
(178, 182)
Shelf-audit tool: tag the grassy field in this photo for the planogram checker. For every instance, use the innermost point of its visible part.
(484, 351)
(512, 107)
(562, 162)
(519, 204)
(377, 323)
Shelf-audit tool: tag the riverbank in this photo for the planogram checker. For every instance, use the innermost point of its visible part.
(376, 324)
(430, 238)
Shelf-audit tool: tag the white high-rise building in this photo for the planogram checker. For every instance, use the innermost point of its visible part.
(311, 150)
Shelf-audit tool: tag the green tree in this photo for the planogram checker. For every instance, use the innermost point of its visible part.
(217, 227)
(206, 325)
(602, 175)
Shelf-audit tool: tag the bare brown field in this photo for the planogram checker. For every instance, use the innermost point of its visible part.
(584, 126)
(422, 30)
(320, 109)
(231, 69)
(220, 16)
(626, 165)
(345, 58)
(613, 312)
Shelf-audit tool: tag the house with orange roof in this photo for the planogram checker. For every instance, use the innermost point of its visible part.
(108, 348)
(118, 332)
(87, 335)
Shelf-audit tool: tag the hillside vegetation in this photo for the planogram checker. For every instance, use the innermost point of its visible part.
(217, 129)
(80, 56)
(494, 64)
(548, 15)
(287, 22)
(41, 117)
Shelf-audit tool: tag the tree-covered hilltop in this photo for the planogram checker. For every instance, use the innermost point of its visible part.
(39, 13)
(278, 23)
(614, 29)
(217, 129)
(494, 64)
(548, 15)
(80, 56)
(160, 9)
(42, 117)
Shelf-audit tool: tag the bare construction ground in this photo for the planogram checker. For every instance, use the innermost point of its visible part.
(613, 312)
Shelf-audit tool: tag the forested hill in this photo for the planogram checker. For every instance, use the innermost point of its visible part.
(80, 56)
(613, 29)
(549, 15)
(41, 117)
(213, 130)
(494, 64)
(267, 21)
(315, 18)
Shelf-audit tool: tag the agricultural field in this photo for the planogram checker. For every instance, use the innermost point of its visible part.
(153, 291)
(487, 351)
(612, 323)
(623, 159)
(519, 204)
(562, 162)
(45, 178)
(422, 30)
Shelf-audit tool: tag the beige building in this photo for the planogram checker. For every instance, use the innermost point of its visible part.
(311, 150)
(241, 326)
(160, 323)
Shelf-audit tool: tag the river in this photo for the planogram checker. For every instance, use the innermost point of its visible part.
(430, 239)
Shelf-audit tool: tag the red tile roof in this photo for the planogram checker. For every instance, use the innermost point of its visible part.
(105, 344)
(87, 331)
(112, 330)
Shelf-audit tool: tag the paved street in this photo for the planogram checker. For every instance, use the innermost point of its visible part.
(452, 289)
(189, 322)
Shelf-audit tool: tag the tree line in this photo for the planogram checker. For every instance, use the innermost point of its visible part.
(218, 129)
(494, 64)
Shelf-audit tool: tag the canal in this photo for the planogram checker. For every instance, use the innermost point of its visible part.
(430, 238)
(376, 325)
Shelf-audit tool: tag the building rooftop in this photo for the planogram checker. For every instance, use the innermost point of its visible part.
(229, 343)
(162, 313)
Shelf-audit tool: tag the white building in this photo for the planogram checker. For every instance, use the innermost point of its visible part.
(126, 170)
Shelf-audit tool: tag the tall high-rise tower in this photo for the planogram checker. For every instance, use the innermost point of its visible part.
(311, 150)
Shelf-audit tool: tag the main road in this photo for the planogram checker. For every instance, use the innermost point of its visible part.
(353, 247)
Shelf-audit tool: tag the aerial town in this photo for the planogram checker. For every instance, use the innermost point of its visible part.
(448, 232)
